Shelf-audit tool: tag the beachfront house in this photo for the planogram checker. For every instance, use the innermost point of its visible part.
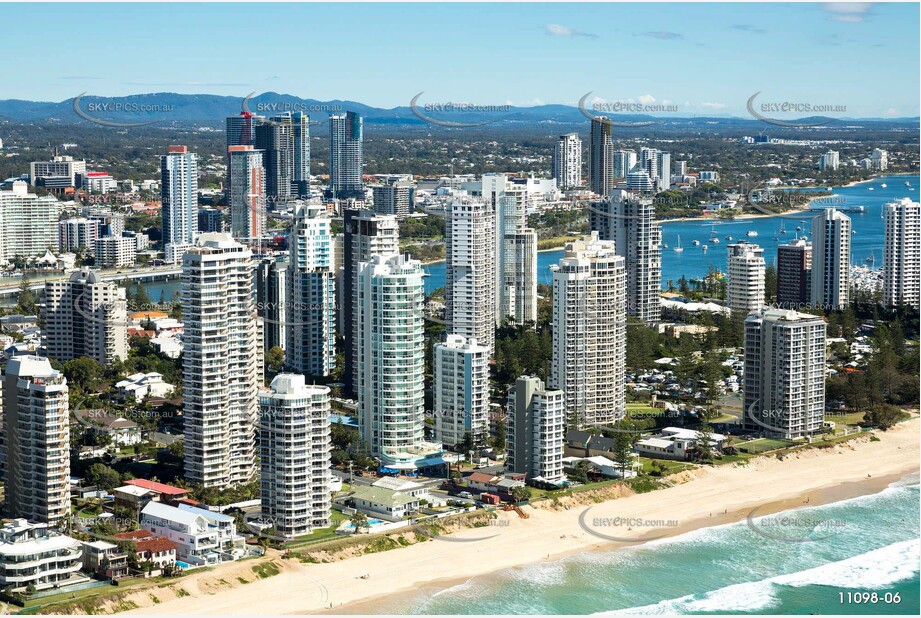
(404, 486)
(201, 537)
(675, 443)
(33, 555)
(379, 502)
(105, 559)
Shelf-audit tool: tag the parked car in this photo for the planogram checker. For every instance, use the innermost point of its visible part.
(465, 494)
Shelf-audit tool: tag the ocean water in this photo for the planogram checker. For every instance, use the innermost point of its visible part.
(873, 546)
(695, 262)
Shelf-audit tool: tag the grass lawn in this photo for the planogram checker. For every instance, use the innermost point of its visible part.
(671, 465)
(317, 536)
(852, 418)
(32, 606)
(762, 445)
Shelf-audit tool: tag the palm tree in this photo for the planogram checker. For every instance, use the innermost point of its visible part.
(359, 520)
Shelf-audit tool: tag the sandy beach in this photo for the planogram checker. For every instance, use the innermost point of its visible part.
(708, 496)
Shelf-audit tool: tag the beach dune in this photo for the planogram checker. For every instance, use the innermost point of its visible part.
(709, 496)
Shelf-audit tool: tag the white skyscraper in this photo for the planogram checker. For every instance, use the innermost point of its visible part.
(179, 195)
(745, 288)
(85, 316)
(36, 441)
(365, 234)
(461, 391)
(470, 272)
(624, 162)
(311, 287)
(27, 222)
(346, 156)
(829, 161)
(391, 362)
(567, 161)
(516, 262)
(831, 260)
(536, 430)
(221, 370)
(247, 193)
(664, 168)
(294, 455)
(784, 375)
(902, 254)
(589, 331)
(629, 219)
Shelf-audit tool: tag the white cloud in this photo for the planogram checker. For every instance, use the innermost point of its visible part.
(848, 12)
(712, 105)
(566, 32)
(646, 99)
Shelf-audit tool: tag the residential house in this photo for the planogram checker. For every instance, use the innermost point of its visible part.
(162, 492)
(138, 386)
(105, 559)
(33, 555)
(381, 503)
(202, 537)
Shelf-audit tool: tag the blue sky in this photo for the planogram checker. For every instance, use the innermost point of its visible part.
(706, 58)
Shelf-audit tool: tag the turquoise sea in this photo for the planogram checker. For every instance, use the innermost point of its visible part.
(729, 569)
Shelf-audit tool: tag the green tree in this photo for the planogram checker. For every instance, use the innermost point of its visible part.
(103, 476)
(274, 360)
(622, 451)
(84, 374)
(499, 440)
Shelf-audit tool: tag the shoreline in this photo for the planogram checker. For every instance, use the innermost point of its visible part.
(824, 496)
(704, 497)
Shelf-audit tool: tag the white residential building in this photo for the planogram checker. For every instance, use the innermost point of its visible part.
(36, 441)
(624, 162)
(27, 222)
(74, 234)
(461, 391)
(470, 270)
(179, 195)
(390, 360)
(247, 193)
(879, 159)
(85, 316)
(310, 310)
(536, 430)
(829, 161)
(629, 219)
(395, 198)
(831, 260)
(589, 331)
(745, 288)
(902, 253)
(202, 537)
(99, 182)
(365, 235)
(567, 161)
(784, 373)
(115, 251)
(294, 450)
(516, 262)
(220, 366)
(33, 555)
(139, 386)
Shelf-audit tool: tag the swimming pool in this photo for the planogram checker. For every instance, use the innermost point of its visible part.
(371, 523)
(182, 565)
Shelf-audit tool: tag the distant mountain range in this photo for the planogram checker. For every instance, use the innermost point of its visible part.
(210, 109)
